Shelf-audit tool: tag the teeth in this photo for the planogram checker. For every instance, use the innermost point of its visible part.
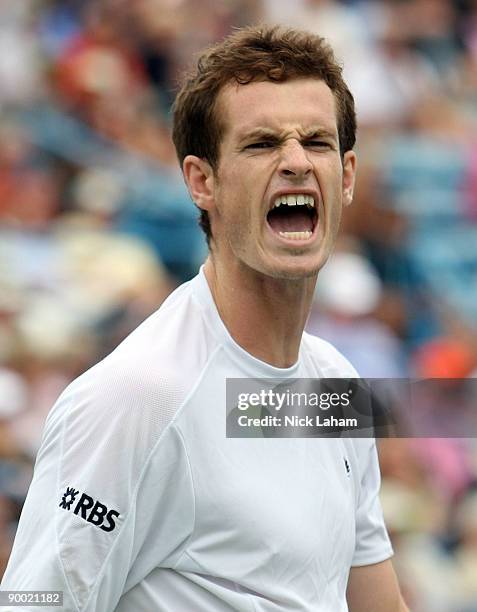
(294, 200)
(296, 235)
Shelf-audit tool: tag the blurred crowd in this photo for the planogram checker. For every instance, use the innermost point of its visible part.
(96, 227)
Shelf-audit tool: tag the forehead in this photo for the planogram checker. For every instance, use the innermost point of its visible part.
(295, 104)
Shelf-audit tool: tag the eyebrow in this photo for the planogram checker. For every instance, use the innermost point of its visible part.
(320, 133)
(258, 133)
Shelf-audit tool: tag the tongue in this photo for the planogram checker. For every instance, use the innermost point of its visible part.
(290, 220)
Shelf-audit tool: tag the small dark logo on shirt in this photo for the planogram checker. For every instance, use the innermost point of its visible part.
(347, 466)
(90, 510)
(68, 498)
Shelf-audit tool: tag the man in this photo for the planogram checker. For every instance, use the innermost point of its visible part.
(139, 502)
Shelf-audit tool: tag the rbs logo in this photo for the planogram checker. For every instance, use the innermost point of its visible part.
(90, 510)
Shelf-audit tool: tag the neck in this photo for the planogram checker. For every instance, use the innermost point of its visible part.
(264, 315)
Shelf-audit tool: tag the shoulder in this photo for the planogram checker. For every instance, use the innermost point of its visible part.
(162, 358)
(326, 359)
(174, 338)
(128, 399)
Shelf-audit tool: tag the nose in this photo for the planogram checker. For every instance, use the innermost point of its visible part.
(294, 162)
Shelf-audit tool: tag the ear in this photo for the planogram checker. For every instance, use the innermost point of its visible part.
(349, 175)
(199, 178)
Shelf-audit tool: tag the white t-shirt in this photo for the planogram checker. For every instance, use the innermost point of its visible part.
(139, 502)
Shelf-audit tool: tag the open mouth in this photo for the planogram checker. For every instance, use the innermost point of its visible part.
(293, 216)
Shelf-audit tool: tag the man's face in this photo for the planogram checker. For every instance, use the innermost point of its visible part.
(280, 146)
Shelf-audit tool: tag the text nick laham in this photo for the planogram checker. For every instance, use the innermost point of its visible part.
(319, 421)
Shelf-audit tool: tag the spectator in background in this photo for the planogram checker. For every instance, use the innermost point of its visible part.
(347, 297)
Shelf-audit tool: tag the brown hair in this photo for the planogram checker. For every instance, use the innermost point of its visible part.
(257, 53)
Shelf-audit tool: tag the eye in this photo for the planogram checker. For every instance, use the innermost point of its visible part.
(264, 144)
(318, 144)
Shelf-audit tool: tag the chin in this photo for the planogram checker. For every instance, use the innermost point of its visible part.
(295, 270)
(294, 264)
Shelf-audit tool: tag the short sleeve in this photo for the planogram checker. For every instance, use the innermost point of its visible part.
(372, 540)
(110, 479)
